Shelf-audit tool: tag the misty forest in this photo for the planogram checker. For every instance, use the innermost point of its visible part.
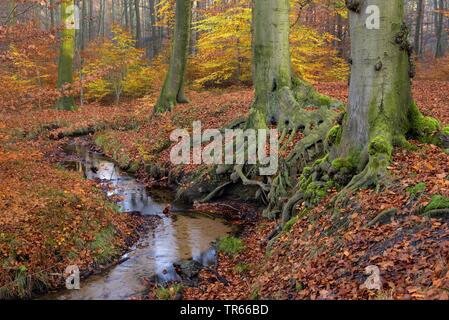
(355, 93)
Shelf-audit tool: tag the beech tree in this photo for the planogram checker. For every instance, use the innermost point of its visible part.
(381, 110)
(350, 147)
(279, 95)
(173, 89)
(66, 53)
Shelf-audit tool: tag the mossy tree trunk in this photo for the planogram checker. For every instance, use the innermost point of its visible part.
(271, 57)
(279, 95)
(66, 54)
(381, 109)
(173, 88)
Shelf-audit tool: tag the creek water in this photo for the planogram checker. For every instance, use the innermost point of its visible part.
(176, 237)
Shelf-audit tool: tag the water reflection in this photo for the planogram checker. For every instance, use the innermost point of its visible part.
(177, 237)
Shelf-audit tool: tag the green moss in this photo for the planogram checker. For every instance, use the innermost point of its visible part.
(133, 167)
(255, 294)
(307, 170)
(108, 143)
(445, 131)
(288, 226)
(168, 293)
(341, 163)
(321, 160)
(242, 267)
(417, 189)
(438, 202)
(334, 135)
(230, 245)
(380, 145)
(103, 245)
(421, 125)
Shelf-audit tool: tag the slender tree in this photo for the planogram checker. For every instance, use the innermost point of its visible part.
(91, 20)
(419, 21)
(173, 88)
(138, 22)
(66, 53)
(154, 43)
(52, 14)
(441, 34)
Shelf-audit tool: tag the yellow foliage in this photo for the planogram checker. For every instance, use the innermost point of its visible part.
(138, 81)
(116, 67)
(313, 59)
(224, 54)
(224, 47)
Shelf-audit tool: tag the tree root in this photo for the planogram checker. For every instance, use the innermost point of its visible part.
(287, 210)
(238, 169)
(212, 194)
(438, 213)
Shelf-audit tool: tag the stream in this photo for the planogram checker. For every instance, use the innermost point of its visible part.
(176, 237)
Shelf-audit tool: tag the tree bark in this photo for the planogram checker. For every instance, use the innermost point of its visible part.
(279, 96)
(381, 109)
(271, 58)
(138, 26)
(66, 54)
(91, 20)
(173, 88)
(441, 35)
(419, 21)
(52, 14)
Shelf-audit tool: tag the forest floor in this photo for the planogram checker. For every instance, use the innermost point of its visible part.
(52, 217)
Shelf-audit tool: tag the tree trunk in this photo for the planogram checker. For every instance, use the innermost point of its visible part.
(280, 97)
(381, 109)
(125, 13)
(419, 21)
(91, 20)
(131, 16)
(271, 58)
(113, 12)
(173, 88)
(66, 53)
(138, 26)
(83, 25)
(152, 46)
(52, 14)
(441, 34)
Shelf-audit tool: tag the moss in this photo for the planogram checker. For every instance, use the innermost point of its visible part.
(133, 167)
(417, 189)
(445, 131)
(114, 148)
(422, 126)
(242, 267)
(321, 160)
(168, 293)
(230, 245)
(313, 190)
(438, 202)
(307, 170)
(379, 145)
(103, 245)
(334, 135)
(341, 163)
(255, 294)
(288, 226)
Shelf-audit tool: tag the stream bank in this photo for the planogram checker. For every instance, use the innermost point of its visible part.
(179, 234)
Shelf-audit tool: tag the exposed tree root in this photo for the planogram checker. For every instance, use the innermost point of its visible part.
(212, 194)
(284, 191)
